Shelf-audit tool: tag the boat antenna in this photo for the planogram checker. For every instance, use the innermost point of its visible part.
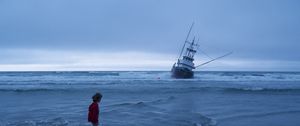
(186, 40)
(214, 59)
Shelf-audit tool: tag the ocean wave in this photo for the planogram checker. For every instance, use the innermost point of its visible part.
(232, 90)
(248, 76)
(146, 75)
(155, 113)
(102, 73)
(259, 89)
(142, 103)
(33, 90)
(51, 122)
(135, 105)
(260, 114)
(187, 89)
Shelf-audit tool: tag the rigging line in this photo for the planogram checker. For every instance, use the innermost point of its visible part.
(213, 47)
(205, 53)
(198, 48)
(197, 44)
(214, 59)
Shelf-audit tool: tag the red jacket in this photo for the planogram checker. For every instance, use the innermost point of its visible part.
(93, 113)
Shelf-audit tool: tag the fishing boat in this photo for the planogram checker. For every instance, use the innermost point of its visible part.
(184, 66)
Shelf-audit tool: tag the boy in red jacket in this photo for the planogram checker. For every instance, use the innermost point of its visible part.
(94, 110)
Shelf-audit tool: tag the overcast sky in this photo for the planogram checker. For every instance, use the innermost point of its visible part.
(148, 34)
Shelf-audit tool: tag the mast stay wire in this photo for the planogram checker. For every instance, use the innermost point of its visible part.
(216, 48)
(202, 51)
(211, 58)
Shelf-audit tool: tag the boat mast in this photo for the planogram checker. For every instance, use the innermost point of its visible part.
(186, 40)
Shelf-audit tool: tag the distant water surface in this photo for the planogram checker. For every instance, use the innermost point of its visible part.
(151, 98)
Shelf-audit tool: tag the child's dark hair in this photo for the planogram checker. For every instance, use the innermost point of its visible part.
(97, 97)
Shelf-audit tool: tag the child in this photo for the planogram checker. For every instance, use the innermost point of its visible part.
(94, 109)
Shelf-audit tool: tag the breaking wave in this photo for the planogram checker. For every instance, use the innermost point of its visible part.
(162, 90)
(203, 81)
(145, 75)
(51, 122)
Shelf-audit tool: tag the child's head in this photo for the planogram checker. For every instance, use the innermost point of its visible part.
(97, 97)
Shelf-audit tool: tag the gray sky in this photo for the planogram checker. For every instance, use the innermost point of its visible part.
(148, 34)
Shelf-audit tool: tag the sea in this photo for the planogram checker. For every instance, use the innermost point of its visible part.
(150, 98)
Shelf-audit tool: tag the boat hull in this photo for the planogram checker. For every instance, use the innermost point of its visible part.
(181, 72)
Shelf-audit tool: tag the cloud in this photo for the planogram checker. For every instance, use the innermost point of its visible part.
(22, 59)
(70, 60)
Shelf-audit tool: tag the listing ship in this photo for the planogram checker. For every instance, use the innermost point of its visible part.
(184, 66)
